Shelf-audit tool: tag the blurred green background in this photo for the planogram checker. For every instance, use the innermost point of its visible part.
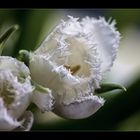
(121, 110)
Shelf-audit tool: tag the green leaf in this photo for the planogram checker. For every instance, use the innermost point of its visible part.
(4, 37)
(107, 87)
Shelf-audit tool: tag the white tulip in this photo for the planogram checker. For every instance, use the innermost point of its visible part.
(16, 94)
(71, 62)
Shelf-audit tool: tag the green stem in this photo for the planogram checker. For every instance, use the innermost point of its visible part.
(6, 35)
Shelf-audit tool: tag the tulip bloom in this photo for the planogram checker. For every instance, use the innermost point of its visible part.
(16, 94)
(72, 60)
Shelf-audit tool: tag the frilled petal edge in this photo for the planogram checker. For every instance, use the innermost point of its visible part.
(106, 37)
(80, 108)
(43, 98)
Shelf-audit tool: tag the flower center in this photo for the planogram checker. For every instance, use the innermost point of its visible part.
(72, 70)
(79, 54)
(7, 96)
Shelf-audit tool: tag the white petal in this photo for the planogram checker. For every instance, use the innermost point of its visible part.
(43, 99)
(19, 93)
(71, 27)
(27, 120)
(17, 67)
(78, 109)
(106, 38)
(15, 85)
(6, 121)
(48, 74)
(42, 71)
